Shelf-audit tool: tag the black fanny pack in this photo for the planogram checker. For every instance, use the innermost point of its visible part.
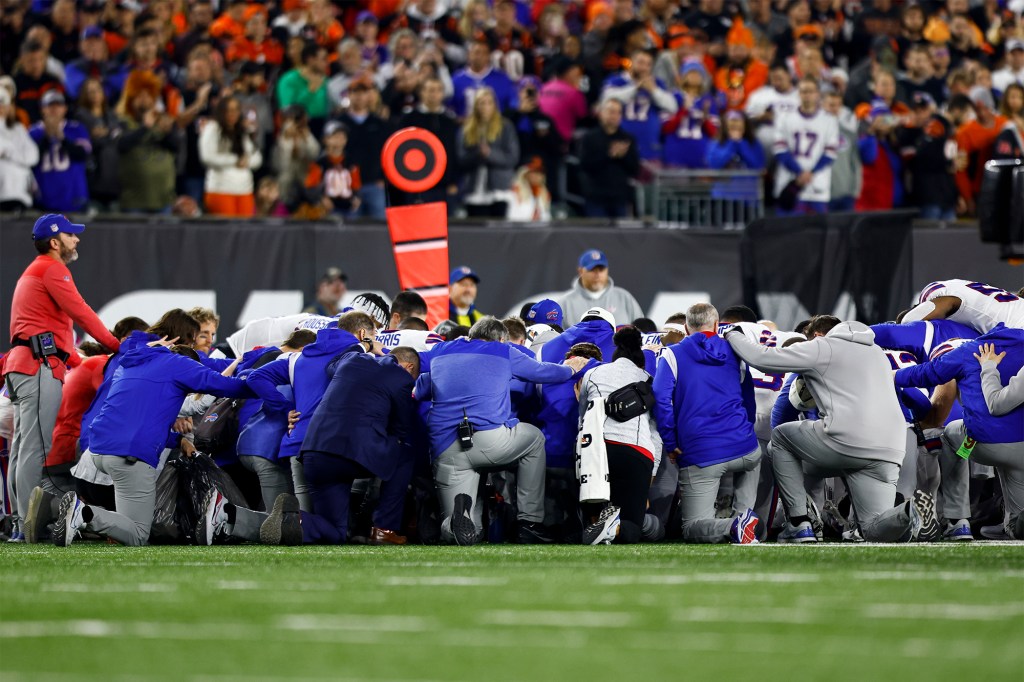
(43, 346)
(630, 401)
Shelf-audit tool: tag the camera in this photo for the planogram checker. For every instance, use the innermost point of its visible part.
(465, 432)
(43, 345)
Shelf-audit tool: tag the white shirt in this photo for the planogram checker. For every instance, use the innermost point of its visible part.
(981, 306)
(808, 139)
(1005, 77)
(767, 98)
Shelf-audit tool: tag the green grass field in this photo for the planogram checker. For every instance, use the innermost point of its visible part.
(653, 612)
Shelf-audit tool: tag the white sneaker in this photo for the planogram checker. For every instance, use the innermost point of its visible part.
(961, 531)
(214, 518)
(605, 529)
(69, 520)
(797, 534)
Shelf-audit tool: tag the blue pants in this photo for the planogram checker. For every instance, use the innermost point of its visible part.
(372, 201)
(330, 480)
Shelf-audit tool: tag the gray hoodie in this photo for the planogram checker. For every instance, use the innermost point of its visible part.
(619, 302)
(851, 381)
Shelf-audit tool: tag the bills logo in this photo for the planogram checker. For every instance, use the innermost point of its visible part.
(552, 315)
(211, 418)
(586, 440)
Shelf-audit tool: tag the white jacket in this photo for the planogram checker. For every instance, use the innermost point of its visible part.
(223, 176)
(18, 154)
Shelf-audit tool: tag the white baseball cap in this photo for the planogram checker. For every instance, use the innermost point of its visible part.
(599, 312)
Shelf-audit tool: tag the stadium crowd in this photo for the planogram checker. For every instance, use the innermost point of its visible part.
(578, 421)
(240, 108)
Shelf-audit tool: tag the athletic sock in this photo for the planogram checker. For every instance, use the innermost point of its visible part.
(229, 509)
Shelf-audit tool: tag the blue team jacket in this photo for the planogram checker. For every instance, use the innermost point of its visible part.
(597, 332)
(133, 340)
(920, 338)
(558, 419)
(706, 412)
(960, 364)
(472, 377)
(311, 379)
(145, 397)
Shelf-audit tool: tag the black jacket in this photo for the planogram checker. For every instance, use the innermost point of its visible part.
(365, 140)
(606, 179)
(366, 414)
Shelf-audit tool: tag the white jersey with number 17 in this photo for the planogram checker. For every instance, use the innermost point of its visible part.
(808, 139)
(981, 306)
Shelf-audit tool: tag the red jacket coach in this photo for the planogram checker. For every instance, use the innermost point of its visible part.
(45, 306)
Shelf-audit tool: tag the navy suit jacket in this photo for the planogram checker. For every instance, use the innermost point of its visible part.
(366, 414)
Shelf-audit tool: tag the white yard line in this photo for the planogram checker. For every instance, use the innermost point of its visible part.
(443, 581)
(357, 622)
(964, 612)
(558, 619)
(689, 578)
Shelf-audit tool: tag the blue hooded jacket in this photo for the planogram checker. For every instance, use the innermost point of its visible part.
(471, 377)
(960, 364)
(144, 399)
(132, 341)
(260, 431)
(704, 402)
(312, 375)
(558, 419)
(597, 332)
(920, 338)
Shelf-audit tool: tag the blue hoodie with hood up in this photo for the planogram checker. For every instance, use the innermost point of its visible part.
(144, 400)
(133, 340)
(312, 375)
(709, 415)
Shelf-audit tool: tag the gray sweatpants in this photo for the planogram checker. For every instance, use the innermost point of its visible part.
(456, 472)
(134, 497)
(797, 448)
(300, 486)
(36, 399)
(1008, 460)
(275, 477)
(906, 485)
(698, 488)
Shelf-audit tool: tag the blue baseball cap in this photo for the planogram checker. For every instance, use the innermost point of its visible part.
(462, 272)
(545, 312)
(593, 258)
(52, 224)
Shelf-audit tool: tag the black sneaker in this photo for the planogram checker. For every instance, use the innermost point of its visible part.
(605, 529)
(534, 534)
(284, 525)
(924, 506)
(39, 515)
(463, 527)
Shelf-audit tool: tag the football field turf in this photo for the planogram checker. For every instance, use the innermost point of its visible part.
(652, 612)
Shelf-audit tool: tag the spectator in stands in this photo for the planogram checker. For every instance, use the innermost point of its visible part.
(293, 19)
(765, 21)
(92, 64)
(400, 94)
(912, 21)
(367, 133)
(882, 167)
(710, 17)
(146, 163)
(249, 89)
(847, 174)
(780, 96)
(350, 67)
(256, 44)
(805, 148)
(512, 43)
(862, 77)
(199, 97)
(306, 85)
(431, 22)
(230, 25)
(929, 144)
(965, 41)
(294, 149)
(18, 154)
(477, 75)
(330, 289)
(32, 79)
(488, 153)
(974, 141)
(530, 200)
(64, 152)
(230, 155)
(536, 131)
(334, 180)
(695, 123)
(200, 17)
(609, 162)
(736, 146)
(561, 98)
(1009, 144)
(41, 35)
(144, 55)
(741, 74)
(1013, 70)
(104, 128)
(919, 76)
(646, 103)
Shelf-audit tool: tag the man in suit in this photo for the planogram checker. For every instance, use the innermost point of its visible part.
(361, 429)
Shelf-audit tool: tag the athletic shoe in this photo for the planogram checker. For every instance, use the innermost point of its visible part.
(927, 524)
(284, 525)
(69, 520)
(213, 519)
(996, 532)
(16, 537)
(39, 514)
(852, 535)
(605, 529)
(815, 516)
(797, 534)
(744, 528)
(462, 524)
(961, 530)
(533, 533)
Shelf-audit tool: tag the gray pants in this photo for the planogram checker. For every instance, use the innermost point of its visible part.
(798, 448)
(663, 489)
(456, 472)
(906, 485)
(247, 524)
(134, 497)
(1007, 458)
(698, 488)
(36, 400)
(300, 486)
(275, 477)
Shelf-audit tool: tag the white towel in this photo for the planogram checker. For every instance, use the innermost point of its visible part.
(592, 456)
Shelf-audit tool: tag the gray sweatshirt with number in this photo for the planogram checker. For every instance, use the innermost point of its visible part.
(851, 381)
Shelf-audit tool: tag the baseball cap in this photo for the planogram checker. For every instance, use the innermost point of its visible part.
(93, 31)
(545, 311)
(599, 312)
(462, 272)
(52, 97)
(592, 259)
(333, 274)
(366, 16)
(334, 127)
(52, 224)
(923, 99)
(982, 96)
(1014, 44)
